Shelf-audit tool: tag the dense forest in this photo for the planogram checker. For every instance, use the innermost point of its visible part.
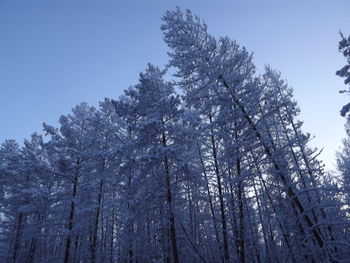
(208, 164)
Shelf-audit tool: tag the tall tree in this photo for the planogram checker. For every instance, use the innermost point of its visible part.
(202, 61)
(212, 166)
(70, 145)
(156, 108)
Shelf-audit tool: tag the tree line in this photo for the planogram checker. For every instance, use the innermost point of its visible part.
(211, 166)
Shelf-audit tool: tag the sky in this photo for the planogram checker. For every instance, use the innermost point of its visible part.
(56, 54)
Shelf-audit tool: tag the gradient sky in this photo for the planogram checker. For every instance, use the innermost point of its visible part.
(56, 54)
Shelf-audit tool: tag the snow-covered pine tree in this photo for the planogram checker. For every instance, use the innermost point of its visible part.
(202, 61)
(222, 173)
(152, 108)
(70, 150)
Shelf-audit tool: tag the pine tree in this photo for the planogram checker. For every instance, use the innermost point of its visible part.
(202, 62)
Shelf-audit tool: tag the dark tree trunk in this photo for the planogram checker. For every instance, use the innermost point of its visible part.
(210, 200)
(71, 216)
(18, 233)
(97, 218)
(170, 203)
(221, 198)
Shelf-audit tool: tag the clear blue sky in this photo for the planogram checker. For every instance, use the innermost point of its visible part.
(55, 54)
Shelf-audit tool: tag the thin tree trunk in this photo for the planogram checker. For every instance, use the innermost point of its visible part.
(240, 196)
(170, 204)
(111, 245)
(71, 216)
(97, 218)
(263, 227)
(221, 198)
(34, 241)
(18, 233)
(211, 206)
(233, 208)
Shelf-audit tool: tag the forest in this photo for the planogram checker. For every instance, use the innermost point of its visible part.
(210, 164)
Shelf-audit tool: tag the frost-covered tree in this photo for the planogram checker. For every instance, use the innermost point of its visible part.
(26, 201)
(343, 156)
(70, 149)
(201, 62)
(344, 72)
(152, 110)
(11, 184)
(212, 166)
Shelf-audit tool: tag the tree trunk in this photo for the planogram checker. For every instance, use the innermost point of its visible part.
(71, 216)
(240, 196)
(97, 217)
(170, 204)
(221, 198)
(210, 200)
(18, 233)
